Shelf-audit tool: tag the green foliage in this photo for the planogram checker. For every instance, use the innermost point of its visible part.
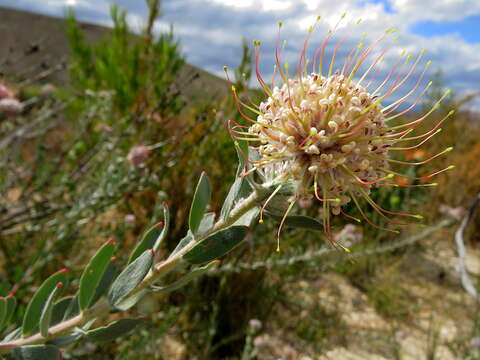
(153, 237)
(140, 71)
(93, 274)
(113, 330)
(301, 222)
(7, 307)
(37, 352)
(216, 245)
(129, 278)
(203, 194)
(46, 317)
(42, 299)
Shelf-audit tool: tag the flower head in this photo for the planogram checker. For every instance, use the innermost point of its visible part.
(10, 107)
(327, 130)
(138, 155)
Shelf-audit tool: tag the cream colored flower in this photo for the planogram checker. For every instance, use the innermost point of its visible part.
(329, 132)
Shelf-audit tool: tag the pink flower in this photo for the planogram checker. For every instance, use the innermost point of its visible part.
(138, 155)
(10, 107)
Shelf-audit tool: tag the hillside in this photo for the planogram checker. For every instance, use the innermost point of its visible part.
(33, 44)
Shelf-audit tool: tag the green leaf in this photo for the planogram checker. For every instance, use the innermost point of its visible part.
(37, 352)
(60, 308)
(153, 237)
(202, 196)
(182, 243)
(4, 288)
(242, 152)
(113, 330)
(15, 334)
(216, 245)
(207, 223)
(130, 277)
(3, 311)
(300, 221)
(10, 304)
(73, 309)
(232, 194)
(46, 317)
(93, 274)
(38, 301)
(107, 279)
(127, 303)
(187, 278)
(64, 340)
(247, 218)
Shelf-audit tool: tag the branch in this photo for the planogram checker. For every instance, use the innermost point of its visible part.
(462, 266)
(158, 271)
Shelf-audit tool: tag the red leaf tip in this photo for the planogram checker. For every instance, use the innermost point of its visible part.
(165, 203)
(59, 285)
(159, 224)
(64, 270)
(111, 240)
(114, 258)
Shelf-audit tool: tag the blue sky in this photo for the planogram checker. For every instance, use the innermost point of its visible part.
(211, 30)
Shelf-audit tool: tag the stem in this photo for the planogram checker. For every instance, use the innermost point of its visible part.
(158, 271)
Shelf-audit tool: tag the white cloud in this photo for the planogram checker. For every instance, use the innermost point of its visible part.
(211, 30)
(265, 5)
(437, 10)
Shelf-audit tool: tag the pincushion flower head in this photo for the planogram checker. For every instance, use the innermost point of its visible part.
(326, 130)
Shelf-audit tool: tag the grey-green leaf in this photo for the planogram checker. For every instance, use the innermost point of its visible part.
(15, 334)
(114, 330)
(216, 245)
(300, 221)
(130, 277)
(64, 340)
(59, 309)
(11, 304)
(247, 218)
(193, 274)
(202, 196)
(153, 237)
(182, 243)
(105, 282)
(73, 309)
(93, 274)
(37, 352)
(46, 317)
(207, 223)
(232, 194)
(3, 311)
(35, 307)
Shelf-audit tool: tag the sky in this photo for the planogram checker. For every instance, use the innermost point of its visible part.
(211, 31)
